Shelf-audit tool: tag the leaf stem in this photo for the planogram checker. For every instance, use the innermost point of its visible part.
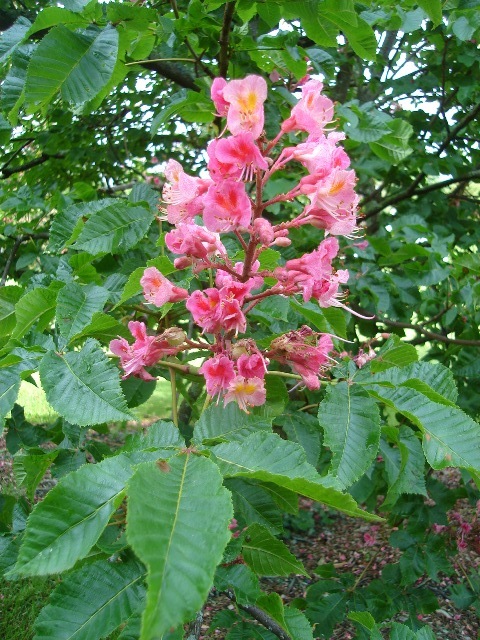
(173, 387)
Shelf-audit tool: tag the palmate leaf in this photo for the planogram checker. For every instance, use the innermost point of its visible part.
(450, 437)
(253, 503)
(78, 65)
(76, 305)
(12, 37)
(268, 556)
(65, 221)
(83, 386)
(67, 523)
(92, 602)
(9, 296)
(115, 228)
(351, 424)
(241, 579)
(393, 146)
(178, 517)
(36, 306)
(228, 423)
(266, 457)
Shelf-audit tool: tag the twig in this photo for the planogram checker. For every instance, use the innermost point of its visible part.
(29, 165)
(173, 387)
(195, 627)
(223, 57)
(425, 332)
(262, 617)
(13, 252)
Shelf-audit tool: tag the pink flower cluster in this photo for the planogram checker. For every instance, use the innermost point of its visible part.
(231, 200)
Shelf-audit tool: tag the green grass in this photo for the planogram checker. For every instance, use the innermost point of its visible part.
(20, 603)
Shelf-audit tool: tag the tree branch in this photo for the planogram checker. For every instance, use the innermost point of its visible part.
(262, 617)
(223, 58)
(174, 72)
(412, 188)
(29, 165)
(13, 252)
(420, 329)
(413, 191)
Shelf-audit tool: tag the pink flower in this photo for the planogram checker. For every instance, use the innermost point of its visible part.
(313, 275)
(343, 223)
(240, 152)
(336, 192)
(146, 350)
(312, 112)
(205, 309)
(247, 392)
(245, 110)
(218, 372)
(158, 290)
(227, 206)
(320, 155)
(300, 350)
(180, 188)
(216, 93)
(232, 318)
(252, 366)
(193, 241)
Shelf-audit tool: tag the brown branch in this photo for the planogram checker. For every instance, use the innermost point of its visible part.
(262, 617)
(223, 58)
(412, 188)
(413, 191)
(429, 334)
(13, 252)
(29, 165)
(174, 72)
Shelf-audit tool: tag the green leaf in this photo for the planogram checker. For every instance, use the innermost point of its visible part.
(253, 504)
(78, 65)
(52, 16)
(14, 82)
(432, 379)
(330, 320)
(362, 39)
(297, 624)
(393, 147)
(411, 477)
(11, 38)
(9, 296)
(103, 328)
(266, 457)
(133, 286)
(228, 423)
(35, 307)
(394, 353)
(450, 437)
(433, 9)
(29, 468)
(160, 435)
(241, 579)
(9, 388)
(115, 228)
(178, 526)
(303, 428)
(83, 386)
(92, 601)
(67, 523)
(65, 223)
(317, 26)
(267, 556)
(76, 306)
(351, 424)
(189, 105)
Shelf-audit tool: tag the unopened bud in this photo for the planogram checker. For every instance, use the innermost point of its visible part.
(282, 242)
(182, 263)
(174, 336)
(264, 231)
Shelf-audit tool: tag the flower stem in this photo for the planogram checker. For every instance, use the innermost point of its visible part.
(173, 387)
